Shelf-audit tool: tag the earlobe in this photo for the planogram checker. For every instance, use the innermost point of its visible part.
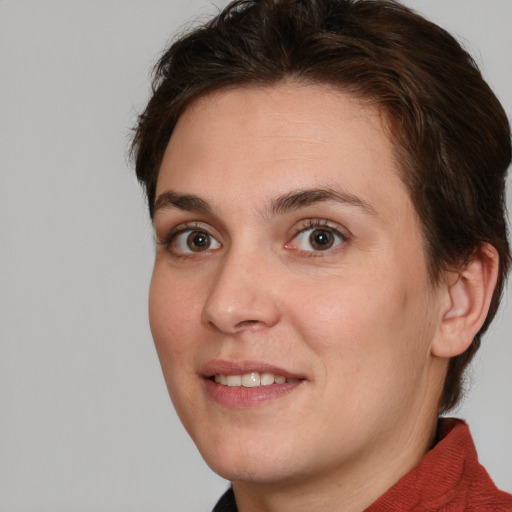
(468, 297)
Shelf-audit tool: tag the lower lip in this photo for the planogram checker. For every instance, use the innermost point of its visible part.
(240, 397)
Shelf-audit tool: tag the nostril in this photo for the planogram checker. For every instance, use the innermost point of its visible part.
(249, 324)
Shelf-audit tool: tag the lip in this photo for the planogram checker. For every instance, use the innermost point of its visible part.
(240, 397)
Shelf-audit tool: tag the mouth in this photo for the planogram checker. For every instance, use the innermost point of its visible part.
(249, 380)
(247, 384)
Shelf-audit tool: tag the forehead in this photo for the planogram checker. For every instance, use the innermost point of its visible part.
(274, 139)
(287, 112)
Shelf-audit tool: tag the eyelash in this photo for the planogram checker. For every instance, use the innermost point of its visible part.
(320, 224)
(171, 237)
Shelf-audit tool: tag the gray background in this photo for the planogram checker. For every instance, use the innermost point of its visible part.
(85, 421)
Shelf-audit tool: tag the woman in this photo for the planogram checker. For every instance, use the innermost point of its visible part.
(326, 181)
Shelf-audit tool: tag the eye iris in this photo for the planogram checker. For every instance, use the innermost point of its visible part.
(198, 241)
(321, 239)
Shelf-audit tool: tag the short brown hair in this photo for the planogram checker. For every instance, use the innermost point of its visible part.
(450, 133)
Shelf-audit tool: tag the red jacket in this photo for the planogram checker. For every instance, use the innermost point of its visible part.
(448, 479)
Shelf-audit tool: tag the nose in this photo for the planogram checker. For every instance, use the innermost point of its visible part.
(242, 295)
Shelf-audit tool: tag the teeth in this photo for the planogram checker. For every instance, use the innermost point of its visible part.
(266, 379)
(222, 379)
(234, 380)
(249, 380)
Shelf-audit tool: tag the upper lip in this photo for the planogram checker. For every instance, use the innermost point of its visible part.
(227, 367)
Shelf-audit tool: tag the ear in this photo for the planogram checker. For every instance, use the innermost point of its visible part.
(468, 297)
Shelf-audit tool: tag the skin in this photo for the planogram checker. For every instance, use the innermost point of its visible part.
(359, 322)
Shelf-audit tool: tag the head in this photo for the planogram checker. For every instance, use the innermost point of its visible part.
(450, 134)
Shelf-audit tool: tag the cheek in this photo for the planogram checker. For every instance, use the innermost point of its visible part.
(173, 321)
(364, 323)
(173, 315)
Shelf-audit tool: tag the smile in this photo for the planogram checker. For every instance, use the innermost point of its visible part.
(249, 380)
(246, 384)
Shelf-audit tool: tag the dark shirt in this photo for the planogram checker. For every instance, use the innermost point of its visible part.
(227, 502)
(448, 479)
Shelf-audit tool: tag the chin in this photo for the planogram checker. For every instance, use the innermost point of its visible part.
(254, 472)
(249, 461)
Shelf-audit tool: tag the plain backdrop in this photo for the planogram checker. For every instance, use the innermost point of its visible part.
(85, 421)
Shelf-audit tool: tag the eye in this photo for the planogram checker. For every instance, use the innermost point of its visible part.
(320, 238)
(194, 241)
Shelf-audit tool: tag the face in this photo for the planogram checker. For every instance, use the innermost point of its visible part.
(290, 303)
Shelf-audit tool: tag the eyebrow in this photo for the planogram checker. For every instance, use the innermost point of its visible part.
(283, 204)
(186, 202)
(303, 198)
